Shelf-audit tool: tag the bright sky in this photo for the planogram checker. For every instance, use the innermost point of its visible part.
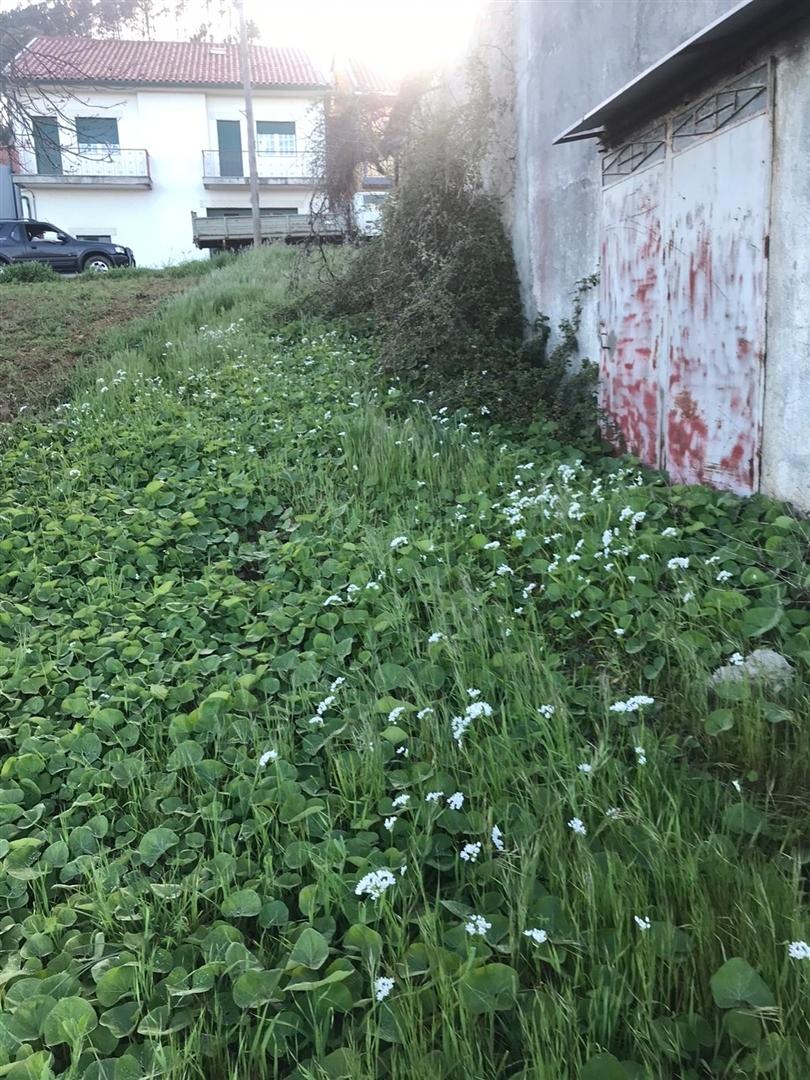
(395, 35)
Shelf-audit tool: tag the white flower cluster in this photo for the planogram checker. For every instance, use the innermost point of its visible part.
(456, 801)
(473, 711)
(799, 950)
(268, 756)
(375, 883)
(633, 704)
(477, 925)
(382, 988)
(470, 852)
(642, 922)
(398, 542)
(539, 937)
(680, 562)
(577, 825)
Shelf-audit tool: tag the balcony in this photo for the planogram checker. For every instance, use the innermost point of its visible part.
(229, 168)
(90, 166)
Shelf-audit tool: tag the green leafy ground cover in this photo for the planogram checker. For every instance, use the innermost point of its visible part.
(345, 738)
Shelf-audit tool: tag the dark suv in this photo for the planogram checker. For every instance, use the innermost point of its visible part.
(37, 241)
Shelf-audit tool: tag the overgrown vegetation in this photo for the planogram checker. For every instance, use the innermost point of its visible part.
(26, 272)
(439, 286)
(344, 738)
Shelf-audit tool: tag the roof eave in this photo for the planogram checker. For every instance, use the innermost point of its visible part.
(684, 65)
(129, 84)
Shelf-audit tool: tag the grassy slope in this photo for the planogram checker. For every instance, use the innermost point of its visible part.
(172, 545)
(48, 326)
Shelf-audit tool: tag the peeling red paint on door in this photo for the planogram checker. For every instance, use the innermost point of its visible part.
(683, 305)
(717, 300)
(630, 303)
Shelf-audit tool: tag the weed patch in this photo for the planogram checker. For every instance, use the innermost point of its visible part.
(343, 738)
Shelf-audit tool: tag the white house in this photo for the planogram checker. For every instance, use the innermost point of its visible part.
(123, 140)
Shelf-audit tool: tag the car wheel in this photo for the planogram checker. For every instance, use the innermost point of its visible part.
(97, 264)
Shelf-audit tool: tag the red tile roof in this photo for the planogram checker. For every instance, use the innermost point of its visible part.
(164, 63)
(366, 79)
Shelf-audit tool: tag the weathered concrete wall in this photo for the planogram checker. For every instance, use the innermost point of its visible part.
(785, 462)
(569, 55)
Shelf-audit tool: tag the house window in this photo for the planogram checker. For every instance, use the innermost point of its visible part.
(275, 136)
(97, 134)
(101, 238)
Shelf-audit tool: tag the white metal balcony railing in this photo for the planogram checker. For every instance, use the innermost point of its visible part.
(109, 161)
(231, 167)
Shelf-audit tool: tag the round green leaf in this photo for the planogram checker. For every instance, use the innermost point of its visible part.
(310, 950)
(69, 1021)
(736, 984)
(253, 988)
(156, 843)
(243, 904)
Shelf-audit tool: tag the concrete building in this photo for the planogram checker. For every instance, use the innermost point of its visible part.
(661, 144)
(124, 139)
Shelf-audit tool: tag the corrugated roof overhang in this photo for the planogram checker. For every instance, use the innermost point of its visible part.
(721, 41)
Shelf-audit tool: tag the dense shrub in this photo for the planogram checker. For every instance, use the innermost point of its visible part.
(440, 284)
(25, 272)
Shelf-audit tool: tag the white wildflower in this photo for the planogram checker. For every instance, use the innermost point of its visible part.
(799, 950)
(456, 801)
(632, 704)
(375, 883)
(473, 692)
(333, 599)
(538, 936)
(382, 988)
(497, 838)
(435, 637)
(389, 823)
(736, 659)
(584, 767)
(268, 756)
(492, 545)
(459, 725)
(423, 713)
(669, 531)
(401, 800)
(613, 813)
(642, 922)
(433, 796)
(503, 570)
(547, 711)
(724, 575)
(470, 852)
(396, 713)
(398, 542)
(641, 756)
(477, 925)
(680, 562)
(577, 826)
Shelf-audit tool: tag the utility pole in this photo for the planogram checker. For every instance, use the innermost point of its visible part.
(244, 64)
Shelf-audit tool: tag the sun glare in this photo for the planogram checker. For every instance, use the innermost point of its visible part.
(396, 38)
